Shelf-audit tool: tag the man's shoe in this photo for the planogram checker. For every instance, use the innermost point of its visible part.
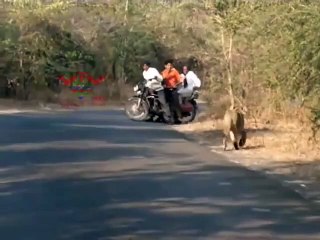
(179, 115)
(171, 121)
(150, 119)
(158, 120)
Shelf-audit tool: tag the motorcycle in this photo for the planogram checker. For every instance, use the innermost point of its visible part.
(145, 105)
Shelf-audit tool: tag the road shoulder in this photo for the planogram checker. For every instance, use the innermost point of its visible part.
(300, 173)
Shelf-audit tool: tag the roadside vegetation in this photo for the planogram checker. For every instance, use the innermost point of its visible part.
(268, 50)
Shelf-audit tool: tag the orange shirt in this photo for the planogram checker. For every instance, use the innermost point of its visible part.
(172, 78)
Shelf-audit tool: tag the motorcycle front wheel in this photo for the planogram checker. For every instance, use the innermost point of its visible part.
(136, 112)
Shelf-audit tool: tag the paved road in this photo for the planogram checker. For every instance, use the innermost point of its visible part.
(91, 175)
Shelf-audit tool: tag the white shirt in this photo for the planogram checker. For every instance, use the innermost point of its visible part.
(151, 73)
(192, 80)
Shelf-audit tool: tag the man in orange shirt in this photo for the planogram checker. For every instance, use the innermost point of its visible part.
(171, 78)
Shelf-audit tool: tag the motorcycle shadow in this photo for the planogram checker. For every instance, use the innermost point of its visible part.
(158, 119)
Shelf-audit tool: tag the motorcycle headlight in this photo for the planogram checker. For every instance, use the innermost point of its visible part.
(135, 88)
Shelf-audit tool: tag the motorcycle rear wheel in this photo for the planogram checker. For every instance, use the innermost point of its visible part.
(192, 114)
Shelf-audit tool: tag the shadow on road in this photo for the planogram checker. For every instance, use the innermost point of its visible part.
(97, 176)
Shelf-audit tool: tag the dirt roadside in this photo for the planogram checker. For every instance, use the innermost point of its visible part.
(273, 150)
(8, 106)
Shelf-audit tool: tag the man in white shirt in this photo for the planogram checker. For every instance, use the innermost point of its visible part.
(153, 77)
(191, 82)
(154, 82)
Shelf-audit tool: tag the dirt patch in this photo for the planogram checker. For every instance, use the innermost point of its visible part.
(282, 150)
(14, 106)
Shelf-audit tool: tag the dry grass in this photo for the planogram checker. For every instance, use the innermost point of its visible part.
(283, 135)
(282, 141)
(111, 94)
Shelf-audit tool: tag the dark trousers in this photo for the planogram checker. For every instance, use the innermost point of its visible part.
(172, 98)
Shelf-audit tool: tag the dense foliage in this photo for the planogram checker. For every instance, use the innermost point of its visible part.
(269, 49)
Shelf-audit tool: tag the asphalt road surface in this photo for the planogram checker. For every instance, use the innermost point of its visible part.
(90, 175)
